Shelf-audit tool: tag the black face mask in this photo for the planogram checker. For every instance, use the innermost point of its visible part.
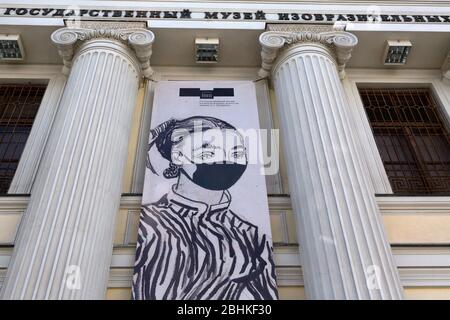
(217, 176)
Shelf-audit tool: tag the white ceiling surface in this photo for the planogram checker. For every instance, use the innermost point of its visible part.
(358, 5)
(240, 48)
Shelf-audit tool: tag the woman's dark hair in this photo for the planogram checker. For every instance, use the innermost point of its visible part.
(161, 137)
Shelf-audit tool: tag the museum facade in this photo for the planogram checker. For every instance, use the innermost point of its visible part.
(360, 94)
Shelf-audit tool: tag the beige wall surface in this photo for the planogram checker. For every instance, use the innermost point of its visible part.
(409, 228)
(427, 293)
(285, 293)
(422, 228)
(298, 293)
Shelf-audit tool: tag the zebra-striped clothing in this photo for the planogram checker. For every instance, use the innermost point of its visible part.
(189, 250)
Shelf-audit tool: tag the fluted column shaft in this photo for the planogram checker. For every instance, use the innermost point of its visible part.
(64, 246)
(344, 250)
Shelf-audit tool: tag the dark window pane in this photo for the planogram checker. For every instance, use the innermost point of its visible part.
(412, 137)
(18, 107)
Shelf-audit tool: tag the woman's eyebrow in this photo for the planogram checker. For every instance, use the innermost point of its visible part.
(237, 147)
(206, 145)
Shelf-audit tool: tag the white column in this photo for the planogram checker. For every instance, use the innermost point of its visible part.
(64, 246)
(142, 144)
(344, 250)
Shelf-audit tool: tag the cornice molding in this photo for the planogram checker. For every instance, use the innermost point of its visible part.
(340, 44)
(414, 205)
(131, 34)
(286, 277)
(414, 275)
(388, 204)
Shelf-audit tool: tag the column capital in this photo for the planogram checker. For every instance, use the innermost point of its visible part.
(282, 37)
(132, 34)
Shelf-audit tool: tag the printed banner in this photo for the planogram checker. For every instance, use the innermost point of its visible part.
(204, 229)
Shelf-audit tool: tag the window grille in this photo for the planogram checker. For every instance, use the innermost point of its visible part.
(412, 136)
(19, 104)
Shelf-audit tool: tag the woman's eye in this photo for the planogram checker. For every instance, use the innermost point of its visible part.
(237, 155)
(206, 155)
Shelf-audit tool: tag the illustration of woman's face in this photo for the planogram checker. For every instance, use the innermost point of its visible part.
(214, 159)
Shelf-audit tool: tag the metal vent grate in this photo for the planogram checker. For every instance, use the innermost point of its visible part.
(206, 50)
(18, 107)
(396, 52)
(11, 48)
(412, 137)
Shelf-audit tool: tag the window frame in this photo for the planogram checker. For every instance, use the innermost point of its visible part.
(360, 78)
(34, 148)
(409, 157)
